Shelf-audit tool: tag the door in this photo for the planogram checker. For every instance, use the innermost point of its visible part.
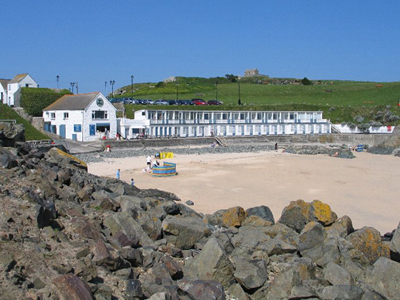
(74, 137)
(62, 131)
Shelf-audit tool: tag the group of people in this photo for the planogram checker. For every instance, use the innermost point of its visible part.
(151, 163)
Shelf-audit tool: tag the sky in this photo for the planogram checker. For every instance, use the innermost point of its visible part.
(94, 41)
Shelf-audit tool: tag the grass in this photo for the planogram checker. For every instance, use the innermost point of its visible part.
(341, 101)
(31, 133)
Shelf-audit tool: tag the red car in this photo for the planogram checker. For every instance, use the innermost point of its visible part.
(199, 102)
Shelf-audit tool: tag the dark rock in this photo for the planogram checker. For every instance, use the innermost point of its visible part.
(336, 275)
(189, 202)
(385, 278)
(72, 288)
(311, 241)
(7, 159)
(250, 274)
(203, 289)
(184, 232)
(134, 256)
(261, 211)
(133, 289)
(211, 264)
(11, 133)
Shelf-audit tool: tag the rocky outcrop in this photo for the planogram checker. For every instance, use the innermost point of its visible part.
(11, 133)
(66, 234)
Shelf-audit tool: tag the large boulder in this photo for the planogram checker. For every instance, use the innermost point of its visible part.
(184, 232)
(262, 212)
(250, 274)
(298, 213)
(211, 264)
(203, 289)
(369, 242)
(311, 241)
(71, 287)
(385, 278)
(10, 134)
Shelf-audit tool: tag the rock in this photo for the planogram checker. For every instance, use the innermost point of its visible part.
(134, 256)
(11, 133)
(173, 268)
(150, 224)
(203, 290)
(341, 227)
(250, 274)
(368, 241)
(184, 232)
(342, 292)
(123, 222)
(261, 211)
(311, 240)
(385, 278)
(372, 296)
(212, 263)
(189, 202)
(72, 288)
(233, 217)
(235, 291)
(256, 221)
(133, 289)
(296, 215)
(281, 287)
(322, 213)
(7, 263)
(38, 284)
(336, 275)
(7, 159)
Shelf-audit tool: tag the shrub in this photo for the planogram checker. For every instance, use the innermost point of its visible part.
(306, 81)
(35, 100)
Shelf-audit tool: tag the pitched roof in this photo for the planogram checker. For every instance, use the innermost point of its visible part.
(4, 83)
(73, 102)
(18, 78)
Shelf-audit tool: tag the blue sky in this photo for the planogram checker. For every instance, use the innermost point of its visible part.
(93, 41)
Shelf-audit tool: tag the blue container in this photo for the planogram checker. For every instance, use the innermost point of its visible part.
(360, 148)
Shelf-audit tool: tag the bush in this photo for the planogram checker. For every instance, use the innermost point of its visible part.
(35, 100)
(306, 81)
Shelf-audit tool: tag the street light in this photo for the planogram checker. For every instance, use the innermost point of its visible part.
(177, 91)
(132, 84)
(105, 87)
(239, 101)
(72, 87)
(112, 82)
(58, 78)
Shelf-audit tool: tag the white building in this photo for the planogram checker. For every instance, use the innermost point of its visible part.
(82, 117)
(203, 123)
(14, 86)
(3, 90)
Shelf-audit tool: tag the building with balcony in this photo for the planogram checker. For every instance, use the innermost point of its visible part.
(81, 117)
(205, 123)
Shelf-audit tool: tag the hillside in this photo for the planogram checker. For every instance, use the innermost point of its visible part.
(341, 101)
(31, 133)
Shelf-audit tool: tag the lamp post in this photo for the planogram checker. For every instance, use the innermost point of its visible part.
(58, 78)
(216, 90)
(72, 87)
(132, 83)
(239, 101)
(177, 91)
(77, 89)
(105, 87)
(112, 82)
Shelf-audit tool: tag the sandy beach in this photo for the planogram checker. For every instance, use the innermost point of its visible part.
(365, 188)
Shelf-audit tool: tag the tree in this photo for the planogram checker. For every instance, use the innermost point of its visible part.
(306, 81)
(231, 77)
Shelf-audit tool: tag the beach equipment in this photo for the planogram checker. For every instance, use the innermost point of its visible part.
(360, 148)
(164, 155)
(167, 169)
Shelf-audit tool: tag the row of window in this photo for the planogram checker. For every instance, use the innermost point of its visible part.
(96, 115)
(158, 115)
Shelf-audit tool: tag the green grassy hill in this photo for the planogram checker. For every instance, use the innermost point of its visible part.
(341, 101)
(31, 133)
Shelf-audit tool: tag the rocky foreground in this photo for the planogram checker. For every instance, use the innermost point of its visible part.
(67, 234)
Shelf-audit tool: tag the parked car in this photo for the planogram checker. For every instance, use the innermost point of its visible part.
(185, 102)
(199, 102)
(161, 102)
(173, 102)
(214, 102)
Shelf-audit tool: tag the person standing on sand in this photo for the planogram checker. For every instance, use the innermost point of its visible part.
(132, 182)
(276, 146)
(118, 173)
(148, 161)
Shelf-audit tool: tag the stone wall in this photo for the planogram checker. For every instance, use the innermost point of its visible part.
(348, 139)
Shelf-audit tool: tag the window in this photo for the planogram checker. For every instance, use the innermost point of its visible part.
(53, 116)
(99, 114)
(66, 116)
(77, 128)
(205, 116)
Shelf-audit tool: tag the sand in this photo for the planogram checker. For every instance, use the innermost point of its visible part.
(366, 188)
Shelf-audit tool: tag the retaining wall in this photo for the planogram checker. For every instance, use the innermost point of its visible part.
(348, 139)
